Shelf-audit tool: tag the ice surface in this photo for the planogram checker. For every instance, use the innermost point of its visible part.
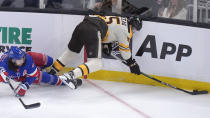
(102, 99)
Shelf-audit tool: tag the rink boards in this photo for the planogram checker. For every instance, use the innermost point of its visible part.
(173, 53)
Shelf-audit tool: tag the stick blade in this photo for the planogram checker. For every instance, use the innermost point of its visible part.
(196, 92)
(32, 106)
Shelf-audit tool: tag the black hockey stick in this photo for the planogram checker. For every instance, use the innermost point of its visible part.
(30, 106)
(144, 14)
(194, 92)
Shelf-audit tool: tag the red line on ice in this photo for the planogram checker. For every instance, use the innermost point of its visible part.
(118, 99)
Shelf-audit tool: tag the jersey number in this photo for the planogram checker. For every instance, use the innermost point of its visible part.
(110, 20)
(118, 20)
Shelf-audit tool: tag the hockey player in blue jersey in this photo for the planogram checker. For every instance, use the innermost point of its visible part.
(26, 69)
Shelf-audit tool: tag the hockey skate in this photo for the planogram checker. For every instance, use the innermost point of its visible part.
(69, 80)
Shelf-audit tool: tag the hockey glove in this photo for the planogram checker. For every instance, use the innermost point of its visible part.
(134, 67)
(20, 90)
(3, 76)
(107, 48)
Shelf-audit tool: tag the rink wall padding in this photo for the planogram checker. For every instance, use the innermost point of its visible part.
(140, 79)
(173, 53)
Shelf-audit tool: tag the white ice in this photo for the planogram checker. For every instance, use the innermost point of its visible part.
(102, 99)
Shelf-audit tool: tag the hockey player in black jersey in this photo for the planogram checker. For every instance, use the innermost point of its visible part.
(97, 33)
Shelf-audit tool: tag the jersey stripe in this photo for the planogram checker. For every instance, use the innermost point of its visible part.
(58, 65)
(59, 82)
(123, 45)
(125, 50)
(34, 74)
(106, 37)
(84, 69)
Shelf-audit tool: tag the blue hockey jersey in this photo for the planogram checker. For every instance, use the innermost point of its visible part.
(28, 71)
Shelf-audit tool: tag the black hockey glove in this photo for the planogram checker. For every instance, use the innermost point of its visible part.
(107, 48)
(134, 67)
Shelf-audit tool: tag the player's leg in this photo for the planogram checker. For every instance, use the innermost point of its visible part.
(46, 78)
(92, 40)
(74, 47)
(94, 63)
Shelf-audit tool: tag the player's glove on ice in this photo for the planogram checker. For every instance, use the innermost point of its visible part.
(107, 48)
(20, 90)
(134, 67)
(3, 76)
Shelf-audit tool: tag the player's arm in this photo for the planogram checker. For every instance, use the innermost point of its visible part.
(41, 60)
(3, 72)
(3, 75)
(32, 74)
(126, 53)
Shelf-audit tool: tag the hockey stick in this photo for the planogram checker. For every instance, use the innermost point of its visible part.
(194, 92)
(30, 106)
(144, 14)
